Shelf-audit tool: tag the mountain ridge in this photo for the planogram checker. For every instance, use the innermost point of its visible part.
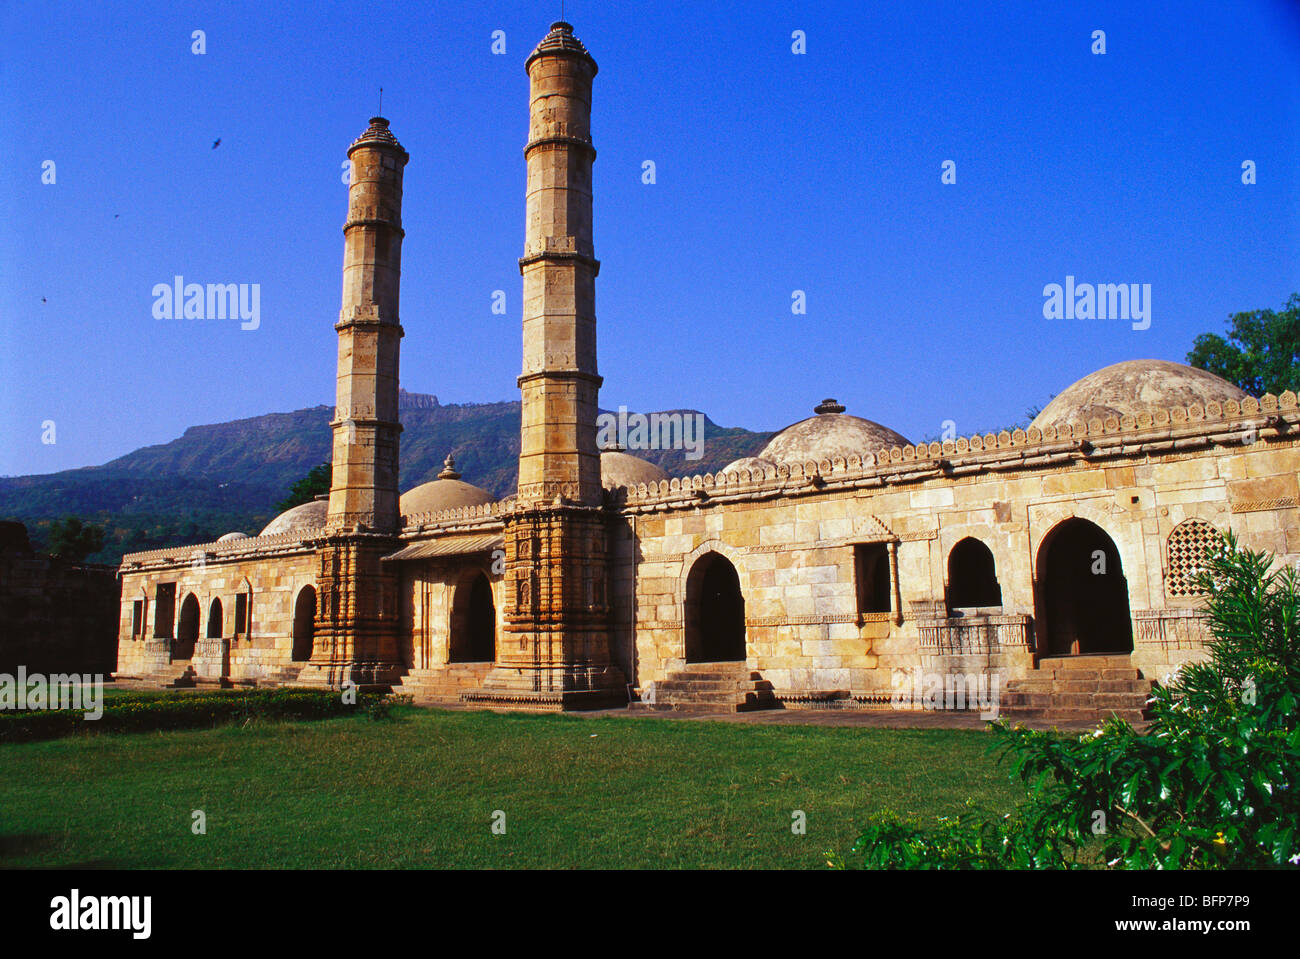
(219, 477)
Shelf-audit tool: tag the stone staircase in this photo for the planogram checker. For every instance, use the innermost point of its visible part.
(1079, 688)
(443, 685)
(178, 675)
(711, 688)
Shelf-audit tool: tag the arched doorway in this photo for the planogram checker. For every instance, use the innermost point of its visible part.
(473, 622)
(214, 619)
(1082, 595)
(715, 612)
(187, 630)
(304, 624)
(972, 576)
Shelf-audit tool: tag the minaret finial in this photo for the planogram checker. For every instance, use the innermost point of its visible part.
(381, 101)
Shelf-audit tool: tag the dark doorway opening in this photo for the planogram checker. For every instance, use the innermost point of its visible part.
(473, 622)
(1082, 593)
(715, 612)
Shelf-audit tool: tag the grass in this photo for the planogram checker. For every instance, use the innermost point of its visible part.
(421, 791)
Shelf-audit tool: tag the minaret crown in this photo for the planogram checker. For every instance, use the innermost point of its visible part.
(561, 42)
(377, 133)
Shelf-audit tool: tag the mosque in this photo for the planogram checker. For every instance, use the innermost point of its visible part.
(840, 557)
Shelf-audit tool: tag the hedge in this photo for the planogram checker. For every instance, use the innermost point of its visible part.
(134, 712)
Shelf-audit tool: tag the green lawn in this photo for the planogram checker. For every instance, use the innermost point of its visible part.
(421, 792)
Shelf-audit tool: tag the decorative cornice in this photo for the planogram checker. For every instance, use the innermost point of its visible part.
(1263, 505)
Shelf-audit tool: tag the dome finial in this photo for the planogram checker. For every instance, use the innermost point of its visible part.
(828, 406)
(449, 469)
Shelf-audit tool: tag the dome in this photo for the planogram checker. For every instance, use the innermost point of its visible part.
(231, 536)
(830, 433)
(747, 463)
(445, 492)
(1133, 387)
(623, 469)
(307, 516)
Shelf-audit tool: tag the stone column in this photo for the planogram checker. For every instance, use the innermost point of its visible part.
(356, 612)
(555, 645)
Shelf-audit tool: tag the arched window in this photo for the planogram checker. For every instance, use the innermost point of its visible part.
(187, 630)
(1190, 543)
(214, 619)
(972, 578)
(304, 624)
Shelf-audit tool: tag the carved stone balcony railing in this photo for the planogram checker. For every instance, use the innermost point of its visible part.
(158, 652)
(1167, 629)
(975, 635)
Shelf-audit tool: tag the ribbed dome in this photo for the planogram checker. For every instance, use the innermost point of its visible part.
(307, 516)
(830, 433)
(377, 133)
(231, 536)
(747, 463)
(1134, 387)
(622, 469)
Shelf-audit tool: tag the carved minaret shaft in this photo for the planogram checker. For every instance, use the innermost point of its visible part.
(357, 610)
(363, 490)
(558, 455)
(555, 648)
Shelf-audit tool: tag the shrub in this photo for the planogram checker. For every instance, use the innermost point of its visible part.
(147, 712)
(1212, 784)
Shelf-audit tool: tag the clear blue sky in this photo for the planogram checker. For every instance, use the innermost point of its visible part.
(775, 172)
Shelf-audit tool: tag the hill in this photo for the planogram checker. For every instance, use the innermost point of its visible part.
(228, 476)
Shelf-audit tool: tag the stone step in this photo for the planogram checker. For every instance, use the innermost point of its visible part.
(709, 686)
(1065, 714)
(1107, 661)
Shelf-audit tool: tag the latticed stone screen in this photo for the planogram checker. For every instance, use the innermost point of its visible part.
(1189, 544)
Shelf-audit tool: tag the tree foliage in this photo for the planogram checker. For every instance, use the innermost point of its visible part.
(72, 540)
(1262, 351)
(308, 488)
(1214, 783)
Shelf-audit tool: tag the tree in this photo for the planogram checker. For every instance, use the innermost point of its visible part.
(1213, 784)
(1261, 354)
(73, 541)
(308, 488)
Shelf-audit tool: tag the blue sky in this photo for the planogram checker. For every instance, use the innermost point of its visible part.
(775, 172)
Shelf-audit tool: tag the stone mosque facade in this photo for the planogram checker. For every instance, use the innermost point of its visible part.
(825, 571)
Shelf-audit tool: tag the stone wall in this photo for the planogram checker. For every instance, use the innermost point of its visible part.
(792, 539)
(271, 585)
(55, 616)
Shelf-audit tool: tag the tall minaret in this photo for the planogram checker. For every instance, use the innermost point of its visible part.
(558, 455)
(357, 611)
(555, 645)
(364, 487)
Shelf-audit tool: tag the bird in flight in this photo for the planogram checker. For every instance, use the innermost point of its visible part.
(217, 144)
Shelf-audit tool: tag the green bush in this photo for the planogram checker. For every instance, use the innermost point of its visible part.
(1212, 784)
(148, 712)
